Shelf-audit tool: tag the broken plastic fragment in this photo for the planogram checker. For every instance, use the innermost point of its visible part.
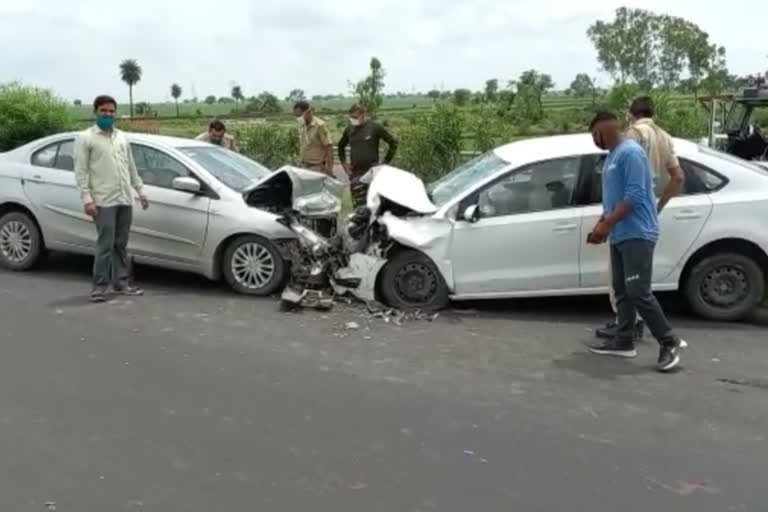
(352, 326)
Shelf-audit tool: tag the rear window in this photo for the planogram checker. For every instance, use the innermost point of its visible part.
(734, 160)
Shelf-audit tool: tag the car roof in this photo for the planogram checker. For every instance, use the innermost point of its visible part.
(559, 146)
(163, 140)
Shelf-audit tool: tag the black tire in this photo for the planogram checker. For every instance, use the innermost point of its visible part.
(237, 282)
(410, 280)
(33, 241)
(725, 287)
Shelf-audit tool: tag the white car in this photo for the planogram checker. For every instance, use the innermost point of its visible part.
(514, 223)
(212, 211)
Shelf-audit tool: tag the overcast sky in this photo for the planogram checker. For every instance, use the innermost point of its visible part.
(75, 46)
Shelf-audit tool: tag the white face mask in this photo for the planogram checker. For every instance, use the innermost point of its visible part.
(354, 121)
(301, 120)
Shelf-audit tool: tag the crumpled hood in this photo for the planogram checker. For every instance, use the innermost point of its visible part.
(309, 193)
(398, 186)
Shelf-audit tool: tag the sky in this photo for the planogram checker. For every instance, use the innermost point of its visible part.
(75, 47)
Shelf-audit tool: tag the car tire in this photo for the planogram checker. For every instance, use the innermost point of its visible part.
(21, 244)
(410, 280)
(725, 287)
(252, 265)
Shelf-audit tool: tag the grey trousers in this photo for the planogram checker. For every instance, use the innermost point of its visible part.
(632, 271)
(111, 264)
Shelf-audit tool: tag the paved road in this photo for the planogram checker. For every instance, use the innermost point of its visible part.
(191, 399)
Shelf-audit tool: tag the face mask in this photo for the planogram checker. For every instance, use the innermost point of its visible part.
(105, 122)
(354, 121)
(301, 120)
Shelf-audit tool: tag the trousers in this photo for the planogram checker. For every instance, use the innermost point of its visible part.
(111, 264)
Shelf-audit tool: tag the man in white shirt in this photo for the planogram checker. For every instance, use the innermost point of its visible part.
(107, 178)
(667, 176)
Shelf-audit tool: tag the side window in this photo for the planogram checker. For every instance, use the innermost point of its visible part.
(699, 180)
(65, 158)
(538, 187)
(156, 168)
(45, 157)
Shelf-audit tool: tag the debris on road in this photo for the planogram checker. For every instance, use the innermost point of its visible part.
(352, 326)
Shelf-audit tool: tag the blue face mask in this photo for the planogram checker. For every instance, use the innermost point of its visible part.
(105, 122)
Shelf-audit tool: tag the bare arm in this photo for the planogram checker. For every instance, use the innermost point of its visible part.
(675, 184)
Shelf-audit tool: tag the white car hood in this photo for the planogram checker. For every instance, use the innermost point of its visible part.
(399, 186)
(310, 193)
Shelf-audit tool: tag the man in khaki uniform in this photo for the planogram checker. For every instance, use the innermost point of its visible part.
(315, 148)
(668, 176)
(217, 134)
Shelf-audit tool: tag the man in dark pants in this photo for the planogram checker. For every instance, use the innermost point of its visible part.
(107, 178)
(363, 137)
(630, 220)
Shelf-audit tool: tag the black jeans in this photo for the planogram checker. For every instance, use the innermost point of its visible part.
(111, 265)
(632, 268)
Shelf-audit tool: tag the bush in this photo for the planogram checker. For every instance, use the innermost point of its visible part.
(430, 144)
(28, 113)
(270, 144)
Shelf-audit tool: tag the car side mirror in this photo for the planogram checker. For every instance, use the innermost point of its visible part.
(472, 214)
(186, 184)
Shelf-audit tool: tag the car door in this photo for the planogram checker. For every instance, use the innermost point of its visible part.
(51, 186)
(174, 226)
(527, 235)
(680, 223)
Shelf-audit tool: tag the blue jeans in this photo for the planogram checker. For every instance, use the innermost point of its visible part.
(111, 264)
(632, 271)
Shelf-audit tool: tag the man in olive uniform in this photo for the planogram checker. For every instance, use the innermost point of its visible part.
(363, 138)
(217, 134)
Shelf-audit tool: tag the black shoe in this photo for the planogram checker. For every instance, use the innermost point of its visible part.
(669, 355)
(614, 347)
(609, 331)
(98, 295)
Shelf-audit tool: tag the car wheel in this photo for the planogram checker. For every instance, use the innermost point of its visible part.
(410, 280)
(21, 244)
(725, 287)
(252, 265)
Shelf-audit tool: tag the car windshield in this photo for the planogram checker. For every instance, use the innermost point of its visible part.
(464, 176)
(233, 170)
(736, 118)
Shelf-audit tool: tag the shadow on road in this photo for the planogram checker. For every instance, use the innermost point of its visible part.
(577, 309)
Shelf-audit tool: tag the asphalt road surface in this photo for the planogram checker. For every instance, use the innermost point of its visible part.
(193, 399)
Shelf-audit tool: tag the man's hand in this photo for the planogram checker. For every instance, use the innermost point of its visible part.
(600, 232)
(91, 209)
(144, 201)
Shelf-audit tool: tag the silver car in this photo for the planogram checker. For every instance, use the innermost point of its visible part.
(213, 211)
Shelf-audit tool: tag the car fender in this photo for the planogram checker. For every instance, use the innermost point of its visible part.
(12, 187)
(430, 235)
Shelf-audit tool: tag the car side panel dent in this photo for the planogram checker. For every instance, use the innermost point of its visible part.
(430, 235)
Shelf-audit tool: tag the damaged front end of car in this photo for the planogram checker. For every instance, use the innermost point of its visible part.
(392, 249)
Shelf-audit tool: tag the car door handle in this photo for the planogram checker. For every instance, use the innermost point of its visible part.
(562, 228)
(687, 215)
(36, 178)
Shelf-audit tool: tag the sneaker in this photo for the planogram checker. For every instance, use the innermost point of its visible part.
(669, 355)
(609, 330)
(98, 295)
(614, 347)
(128, 289)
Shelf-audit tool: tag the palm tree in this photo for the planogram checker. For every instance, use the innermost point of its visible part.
(176, 93)
(237, 94)
(130, 73)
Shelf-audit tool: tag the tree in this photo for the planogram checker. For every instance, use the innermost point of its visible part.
(270, 104)
(581, 85)
(462, 96)
(531, 86)
(369, 90)
(176, 93)
(717, 79)
(130, 73)
(210, 100)
(491, 89)
(434, 94)
(143, 109)
(29, 113)
(296, 95)
(652, 50)
(224, 100)
(237, 94)
(78, 103)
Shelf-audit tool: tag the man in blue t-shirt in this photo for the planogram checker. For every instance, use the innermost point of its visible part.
(630, 221)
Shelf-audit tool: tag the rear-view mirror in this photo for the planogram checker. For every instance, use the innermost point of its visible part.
(472, 213)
